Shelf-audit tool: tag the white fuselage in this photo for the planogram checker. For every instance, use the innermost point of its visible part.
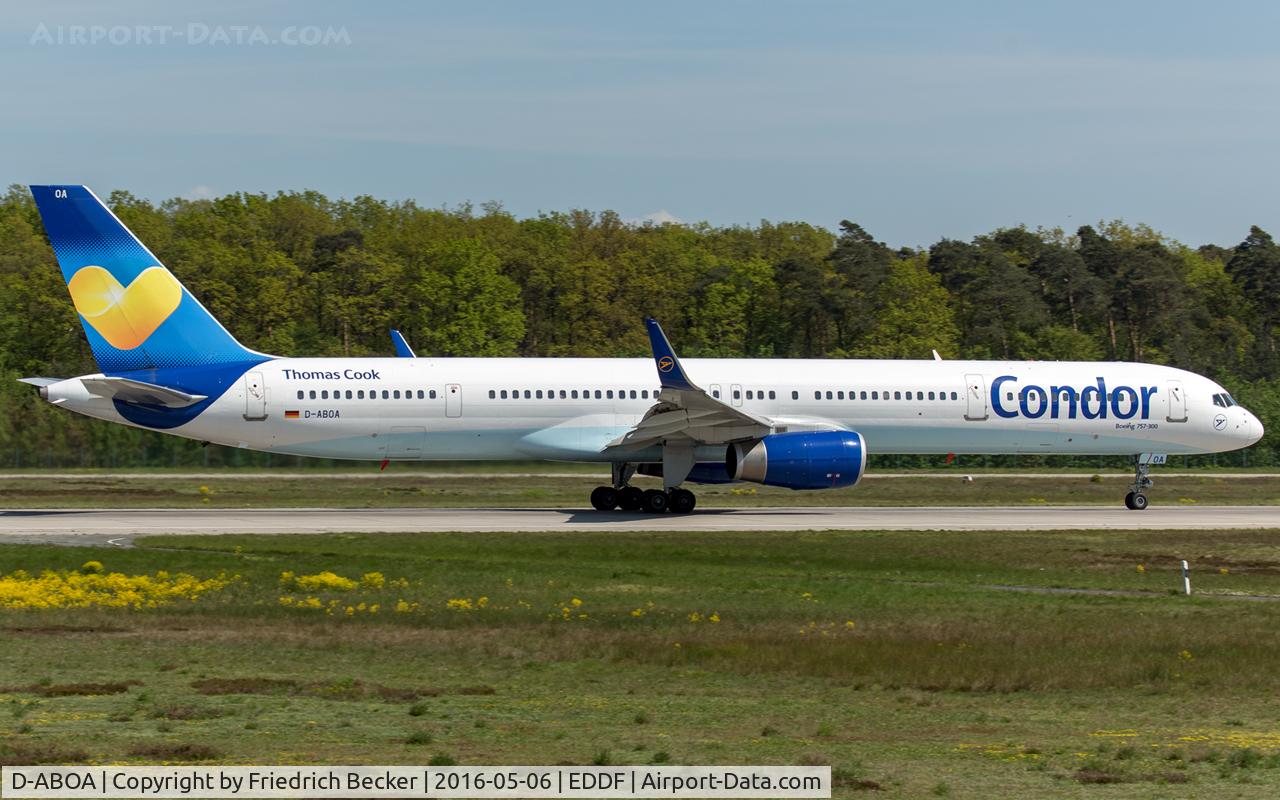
(570, 409)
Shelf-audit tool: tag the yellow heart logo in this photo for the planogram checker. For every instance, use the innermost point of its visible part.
(125, 317)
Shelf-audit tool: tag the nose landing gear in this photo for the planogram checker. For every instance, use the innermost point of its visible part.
(1136, 499)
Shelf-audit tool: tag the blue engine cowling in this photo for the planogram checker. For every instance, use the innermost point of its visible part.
(801, 460)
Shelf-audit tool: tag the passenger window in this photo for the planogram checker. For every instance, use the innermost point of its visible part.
(817, 395)
(504, 394)
(954, 396)
(574, 394)
(528, 394)
(750, 395)
(875, 395)
(795, 395)
(716, 394)
(828, 394)
(773, 395)
(1008, 395)
(644, 394)
(299, 394)
(432, 394)
(360, 394)
(538, 394)
(897, 395)
(493, 394)
(324, 394)
(386, 395)
(348, 394)
(864, 394)
(564, 395)
(599, 394)
(396, 394)
(930, 395)
(840, 395)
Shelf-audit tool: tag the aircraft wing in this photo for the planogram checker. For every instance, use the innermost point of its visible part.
(684, 412)
(148, 394)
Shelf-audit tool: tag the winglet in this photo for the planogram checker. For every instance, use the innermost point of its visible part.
(670, 372)
(403, 350)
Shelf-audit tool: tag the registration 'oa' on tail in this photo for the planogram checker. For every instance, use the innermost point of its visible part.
(135, 313)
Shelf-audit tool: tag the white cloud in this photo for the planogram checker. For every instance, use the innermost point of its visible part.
(659, 217)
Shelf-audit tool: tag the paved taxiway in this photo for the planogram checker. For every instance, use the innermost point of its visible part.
(118, 526)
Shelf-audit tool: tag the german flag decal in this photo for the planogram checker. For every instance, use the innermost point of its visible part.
(291, 415)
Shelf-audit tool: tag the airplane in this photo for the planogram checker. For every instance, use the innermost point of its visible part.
(168, 365)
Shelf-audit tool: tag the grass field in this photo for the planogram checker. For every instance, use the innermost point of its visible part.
(917, 664)
(407, 489)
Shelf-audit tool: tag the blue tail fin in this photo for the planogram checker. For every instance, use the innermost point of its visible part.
(135, 312)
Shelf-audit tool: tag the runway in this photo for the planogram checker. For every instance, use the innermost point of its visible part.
(119, 526)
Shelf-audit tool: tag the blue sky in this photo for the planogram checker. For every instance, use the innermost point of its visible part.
(917, 120)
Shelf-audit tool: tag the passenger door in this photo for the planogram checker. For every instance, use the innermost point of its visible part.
(1177, 402)
(975, 397)
(453, 400)
(255, 397)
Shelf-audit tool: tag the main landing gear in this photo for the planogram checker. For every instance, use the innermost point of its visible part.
(1136, 499)
(632, 498)
(650, 501)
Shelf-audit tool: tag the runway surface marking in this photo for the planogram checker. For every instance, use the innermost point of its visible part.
(115, 525)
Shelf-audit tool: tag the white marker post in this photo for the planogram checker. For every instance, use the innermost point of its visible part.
(1186, 578)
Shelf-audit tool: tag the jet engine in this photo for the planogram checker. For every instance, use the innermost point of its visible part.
(801, 460)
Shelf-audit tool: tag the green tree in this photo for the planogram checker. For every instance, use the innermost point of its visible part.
(915, 315)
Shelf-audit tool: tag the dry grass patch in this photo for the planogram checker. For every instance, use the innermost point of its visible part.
(18, 753)
(348, 689)
(175, 751)
(71, 689)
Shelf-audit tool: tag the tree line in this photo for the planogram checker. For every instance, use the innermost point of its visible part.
(298, 273)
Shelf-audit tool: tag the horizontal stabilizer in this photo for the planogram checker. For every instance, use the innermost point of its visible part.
(40, 381)
(125, 390)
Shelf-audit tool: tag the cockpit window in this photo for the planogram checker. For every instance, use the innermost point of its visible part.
(1219, 400)
(1231, 401)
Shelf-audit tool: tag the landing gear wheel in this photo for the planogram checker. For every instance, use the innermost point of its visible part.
(1128, 501)
(681, 501)
(654, 501)
(1139, 502)
(604, 498)
(630, 498)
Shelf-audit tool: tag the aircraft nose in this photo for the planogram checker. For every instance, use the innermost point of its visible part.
(1253, 427)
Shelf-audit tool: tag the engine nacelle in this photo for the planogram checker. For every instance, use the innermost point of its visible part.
(801, 460)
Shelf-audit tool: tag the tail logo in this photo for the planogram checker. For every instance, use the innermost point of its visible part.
(125, 316)
(666, 363)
